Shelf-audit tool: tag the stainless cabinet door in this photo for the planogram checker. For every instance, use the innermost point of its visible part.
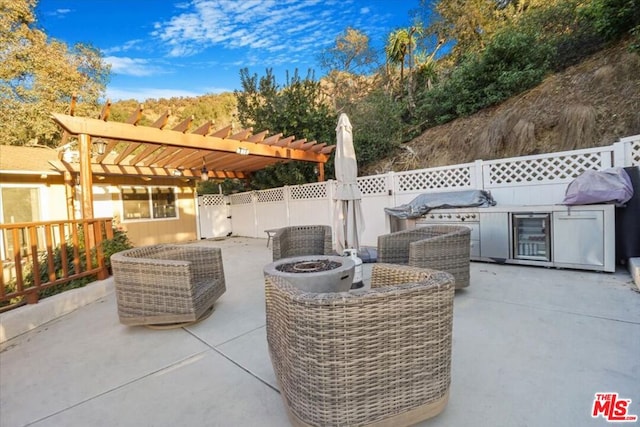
(494, 235)
(578, 237)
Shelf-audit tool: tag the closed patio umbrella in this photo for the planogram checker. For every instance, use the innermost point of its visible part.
(349, 221)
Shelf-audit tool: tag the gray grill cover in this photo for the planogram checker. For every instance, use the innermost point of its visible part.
(455, 199)
(610, 185)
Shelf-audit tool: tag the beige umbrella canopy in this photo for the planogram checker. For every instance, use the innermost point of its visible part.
(349, 221)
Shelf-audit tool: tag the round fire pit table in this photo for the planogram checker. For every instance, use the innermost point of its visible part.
(315, 273)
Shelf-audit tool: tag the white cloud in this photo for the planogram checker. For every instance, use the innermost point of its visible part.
(59, 13)
(259, 25)
(217, 90)
(125, 47)
(131, 66)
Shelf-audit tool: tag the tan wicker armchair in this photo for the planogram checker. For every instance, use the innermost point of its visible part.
(379, 356)
(440, 247)
(167, 284)
(301, 240)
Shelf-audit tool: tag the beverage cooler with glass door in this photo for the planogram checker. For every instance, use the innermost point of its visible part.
(531, 236)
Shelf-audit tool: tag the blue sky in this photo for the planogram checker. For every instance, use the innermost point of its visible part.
(160, 49)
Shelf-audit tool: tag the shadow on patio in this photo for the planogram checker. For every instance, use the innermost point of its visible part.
(531, 346)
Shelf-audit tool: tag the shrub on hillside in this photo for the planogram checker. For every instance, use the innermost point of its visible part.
(513, 62)
(377, 126)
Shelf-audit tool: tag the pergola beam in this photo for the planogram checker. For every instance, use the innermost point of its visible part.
(98, 169)
(162, 121)
(184, 125)
(136, 116)
(140, 134)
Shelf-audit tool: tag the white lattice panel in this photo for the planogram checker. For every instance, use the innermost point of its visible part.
(211, 200)
(544, 169)
(309, 191)
(272, 195)
(241, 198)
(373, 185)
(429, 179)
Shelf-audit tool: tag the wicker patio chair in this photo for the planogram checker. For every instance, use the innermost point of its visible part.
(440, 247)
(166, 284)
(379, 356)
(301, 240)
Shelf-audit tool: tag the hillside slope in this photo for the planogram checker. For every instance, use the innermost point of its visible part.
(588, 105)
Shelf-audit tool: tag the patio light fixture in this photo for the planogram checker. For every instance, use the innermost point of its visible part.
(99, 146)
(204, 173)
(242, 151)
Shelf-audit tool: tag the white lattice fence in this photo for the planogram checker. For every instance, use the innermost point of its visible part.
(528, 180)
(241, 198)
(546, 168)
(213, 216)
(375, 185)
(271, 209)
(445, 178)
(212, 200)
(310, 204)
(243, 214)
(269, 196)
(317, 190)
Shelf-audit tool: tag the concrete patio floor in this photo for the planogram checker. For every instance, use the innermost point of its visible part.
(531, 347)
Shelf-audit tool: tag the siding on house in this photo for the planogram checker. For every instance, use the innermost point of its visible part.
(29, 167)
(148, 232)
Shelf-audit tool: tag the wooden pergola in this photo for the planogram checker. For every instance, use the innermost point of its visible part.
(129, 149)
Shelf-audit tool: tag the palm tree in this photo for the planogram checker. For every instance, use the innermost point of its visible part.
(398, 45)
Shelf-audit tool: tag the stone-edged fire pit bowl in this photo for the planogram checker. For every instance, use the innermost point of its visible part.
(315, 273)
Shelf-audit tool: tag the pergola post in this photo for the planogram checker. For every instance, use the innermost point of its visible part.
(320, 172)
(86, 176)
(69, 193)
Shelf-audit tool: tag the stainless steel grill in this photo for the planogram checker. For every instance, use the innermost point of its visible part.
(457, 216)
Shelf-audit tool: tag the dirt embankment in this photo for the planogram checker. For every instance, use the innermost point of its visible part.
(588, 105)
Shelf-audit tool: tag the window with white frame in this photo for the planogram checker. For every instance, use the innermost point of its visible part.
(148, 203)
(19, 204)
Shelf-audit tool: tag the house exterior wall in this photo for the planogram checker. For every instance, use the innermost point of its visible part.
(51, 191)
(108, 203)
(183, 228)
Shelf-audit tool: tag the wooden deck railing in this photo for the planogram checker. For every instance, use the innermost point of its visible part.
(35, 256)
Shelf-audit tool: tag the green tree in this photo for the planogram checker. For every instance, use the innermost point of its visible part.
(298, 108)
(377, 126)
(39, 75)
(612, 18)
(352, 53)
(398, 46)
(219, 108)
(469, 23)
(347, 64)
